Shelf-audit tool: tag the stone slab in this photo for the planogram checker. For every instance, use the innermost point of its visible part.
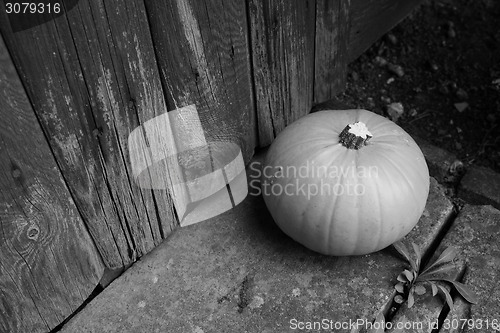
(476, 233)
(481, 186)
(238, 272)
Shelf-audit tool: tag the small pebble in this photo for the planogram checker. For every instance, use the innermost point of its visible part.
(451, 30)
(412, 112)
(385, 99)
(380, 61)
(396, 69)
(458, 145)
(433, 66)
(452, 33)
(395, 111)
(392, 39)
(461, 106)
(390, 80)
(355, 76)
(462, 94)
(370, 102)
(443, 89)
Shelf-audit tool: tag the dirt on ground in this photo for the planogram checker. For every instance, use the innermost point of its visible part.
(437, 74)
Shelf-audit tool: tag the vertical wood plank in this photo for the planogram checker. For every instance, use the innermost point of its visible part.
(92, 77)
(332, 39)
(282, 46)
(48, 262)
(202, 50)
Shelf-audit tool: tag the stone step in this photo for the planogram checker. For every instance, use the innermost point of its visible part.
(481, 186)
(238, 272)
(475, 233)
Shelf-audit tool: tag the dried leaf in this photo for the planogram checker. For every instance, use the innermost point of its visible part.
(434, 289)
(399, 328)
(464, 290)
(379, 324)
(418, 254)
(402, 278)
(403, 250)
(446, 293)
(400, 288)
(447, 255)
(408, 275)
(420, 289)
(433, 274)
(411, 298)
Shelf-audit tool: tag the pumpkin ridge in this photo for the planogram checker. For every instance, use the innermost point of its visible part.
(381, 217)
(404, 174)
(332, 218)
(356, 241)
(412, 188)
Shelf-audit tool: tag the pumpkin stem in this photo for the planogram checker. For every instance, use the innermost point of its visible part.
(355, 136)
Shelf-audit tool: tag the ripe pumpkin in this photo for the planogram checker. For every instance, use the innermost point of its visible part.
(345, 182)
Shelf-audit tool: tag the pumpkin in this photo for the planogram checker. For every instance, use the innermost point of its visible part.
(345, 182)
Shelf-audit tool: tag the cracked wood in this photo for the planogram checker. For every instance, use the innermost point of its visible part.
(202, 52)
(282, 46)
(48, 262)
(92, 79)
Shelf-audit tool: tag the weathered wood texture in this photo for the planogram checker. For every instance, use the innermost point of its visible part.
(370, 19)
(282, 46)
(92, 77)
(48, 262)
(202, 51)
(332, 39)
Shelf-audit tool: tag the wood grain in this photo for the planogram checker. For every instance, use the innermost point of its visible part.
(332, 39)
(92, 78)
(48, 262)
(282, 47)
(202, 51)
(370, 19)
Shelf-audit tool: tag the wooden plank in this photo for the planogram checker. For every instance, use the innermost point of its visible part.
(370, 19)
(48, 262)
(92, 77)
(202, 51)
(282, 46)
(332, 39)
